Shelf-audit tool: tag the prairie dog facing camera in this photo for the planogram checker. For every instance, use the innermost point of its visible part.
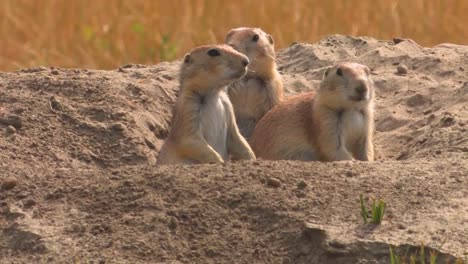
(262, 87)
(204, 126)
(335, 123)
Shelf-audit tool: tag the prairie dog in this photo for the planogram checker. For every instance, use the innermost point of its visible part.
(335, 123)
(204, 126)
(262, 87)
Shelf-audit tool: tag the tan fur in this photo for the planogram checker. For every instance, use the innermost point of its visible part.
(204, 126)
(262, 87)
(336, 123)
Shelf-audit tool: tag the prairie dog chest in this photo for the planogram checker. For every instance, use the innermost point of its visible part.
(353, 125)
(249, 93)
(214, 122)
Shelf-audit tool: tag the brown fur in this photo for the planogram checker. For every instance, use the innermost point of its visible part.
(336, 123)
(204, 126)
(262, 87)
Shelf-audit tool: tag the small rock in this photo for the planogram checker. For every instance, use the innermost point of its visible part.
(23, 194)
(18, 110)
(273, 182)
(447, 121)
(9, 183)
(173, 223)
(100, 229)
(11, 129)
(438, 152)
(12, 120)
(301, 185)
(398, 40)
(118, 127)
(122, 70)
(168, 77)
(301, 194)
(55, 104)
(151, 126)
(150, 144)
(402, 69)
(54, 72)
(210, 252)
(29, 203)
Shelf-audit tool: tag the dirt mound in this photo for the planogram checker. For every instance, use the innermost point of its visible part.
(81, 146)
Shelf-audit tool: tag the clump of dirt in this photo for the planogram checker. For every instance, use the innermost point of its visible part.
(80, 185)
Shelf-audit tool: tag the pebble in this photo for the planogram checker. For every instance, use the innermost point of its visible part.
(18, 110)
(9, 183)
(11, 129)
(173, 223)
(401, 226)
(12, 120)
(29, 203)
(273, 182)
(54, 72)
(402, 69)
(55, 104)
(398, 40)
(118, 127)
(150, 144)
(301, 185)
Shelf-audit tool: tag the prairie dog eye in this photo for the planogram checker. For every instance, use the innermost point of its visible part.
(255, 38)
(214, 53)
(339, 72)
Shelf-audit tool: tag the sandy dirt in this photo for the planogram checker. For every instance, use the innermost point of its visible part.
(79, 182)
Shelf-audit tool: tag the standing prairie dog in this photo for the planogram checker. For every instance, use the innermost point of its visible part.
(336, 123)
(204, 126)
(262, 87)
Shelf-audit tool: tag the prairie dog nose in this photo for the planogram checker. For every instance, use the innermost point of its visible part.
(361, 88)
(245, 62)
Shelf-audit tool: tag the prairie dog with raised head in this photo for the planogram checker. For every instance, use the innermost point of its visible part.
(262, 87)
(334, 123)
(204, 126)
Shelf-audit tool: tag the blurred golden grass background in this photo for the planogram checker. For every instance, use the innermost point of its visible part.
(109, 33)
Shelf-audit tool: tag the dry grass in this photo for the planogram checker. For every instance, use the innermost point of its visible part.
(106, 34)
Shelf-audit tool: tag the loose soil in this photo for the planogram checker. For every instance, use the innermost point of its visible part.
(79, 182)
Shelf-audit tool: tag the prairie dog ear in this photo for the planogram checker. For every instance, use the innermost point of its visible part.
(187, 58)
(270, 39)
(326, 72)
(229, 35)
